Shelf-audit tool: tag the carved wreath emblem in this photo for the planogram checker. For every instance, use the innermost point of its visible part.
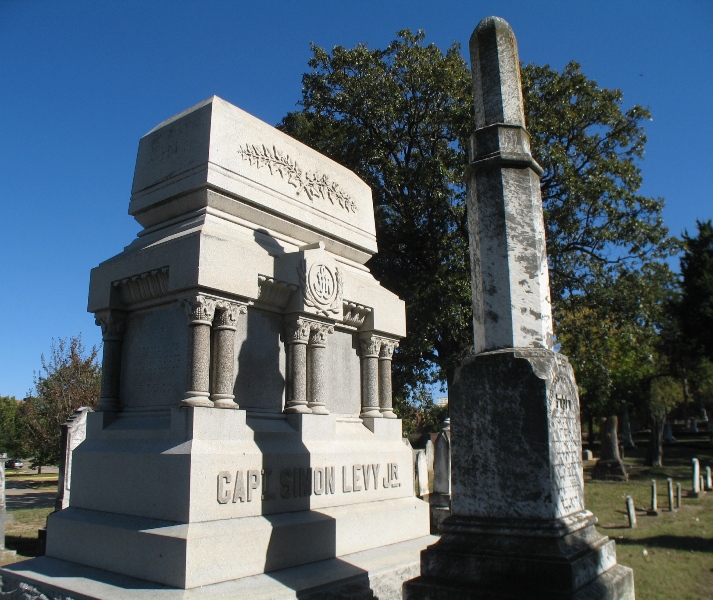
(322, 288)
(312, 183)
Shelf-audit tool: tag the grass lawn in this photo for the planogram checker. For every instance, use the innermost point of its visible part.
(21, 530)
(671, 554)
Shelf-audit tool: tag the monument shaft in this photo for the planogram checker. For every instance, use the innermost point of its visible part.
(518, 527)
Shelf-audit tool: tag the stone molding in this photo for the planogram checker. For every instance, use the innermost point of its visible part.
(355, 314)
(314, 184)
(143, 286)
(387, 349)
(274, 292)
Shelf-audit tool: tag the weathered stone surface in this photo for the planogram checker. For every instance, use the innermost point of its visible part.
(511, 297)
(518, 527)
(524, 395)
(74, 431)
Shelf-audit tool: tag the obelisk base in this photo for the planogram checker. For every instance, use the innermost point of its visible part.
(489, 559)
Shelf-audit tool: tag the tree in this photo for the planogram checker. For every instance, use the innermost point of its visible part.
(10, 440)
(695, 310)
(665, 394)
(401, 118)
(70, 379)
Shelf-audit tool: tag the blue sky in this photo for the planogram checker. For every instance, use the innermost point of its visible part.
(83, 81)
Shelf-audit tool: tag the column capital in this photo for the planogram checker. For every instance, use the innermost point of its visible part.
(227, 312)
(318, 333)
(112, 323)
(370, 345)
(387, 349)
(200, 309)
(297, 330)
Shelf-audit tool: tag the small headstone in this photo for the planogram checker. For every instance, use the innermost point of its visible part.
(669, 485)
(704, 415)
(442, 461)
(429, 459)
(668, 434)
(631, 511)
(5, 555)
(654, 510)
(695, 478)
(74, 432)
(587, 455)
(678, 495)
(692, 425)
(702, 485)
(709, 479)
(422, 473)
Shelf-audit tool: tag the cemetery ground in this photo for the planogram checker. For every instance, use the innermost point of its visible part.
(671, 554)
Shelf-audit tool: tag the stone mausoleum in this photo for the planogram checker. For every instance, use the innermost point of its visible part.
(245, 422)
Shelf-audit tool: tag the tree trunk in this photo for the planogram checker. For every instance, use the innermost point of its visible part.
(626, 437)
(610, 465)
(590, 437)
(654, 453)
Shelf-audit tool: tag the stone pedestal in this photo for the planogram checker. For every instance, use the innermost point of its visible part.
(231, 439)
(518, 528)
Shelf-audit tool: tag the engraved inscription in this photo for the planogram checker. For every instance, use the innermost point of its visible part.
(298, 482)
(566, 446)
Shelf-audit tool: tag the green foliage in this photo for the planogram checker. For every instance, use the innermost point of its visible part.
(401, 117)
(666, 393)
(420, 414)
(10, 426)
(70, 379)
(695, 310)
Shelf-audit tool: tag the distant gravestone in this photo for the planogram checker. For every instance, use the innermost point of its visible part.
(678, 495)
(518, 527)
(587, 455)
(442, 461)
(631, 512)
(709, 479)
(668, 434)
(669, 486)
(695, 478)
(74, 432)
(429, 460)
(5, 555)
(422, 473)
(654, 510)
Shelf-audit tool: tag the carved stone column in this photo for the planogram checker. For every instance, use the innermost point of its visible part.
(200, 311)
(385, 356)
(370, 347)
(224, 326)
(297, 336)
(315, 367)
(112, 323)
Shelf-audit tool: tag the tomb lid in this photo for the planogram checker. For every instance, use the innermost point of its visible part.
(260, 174)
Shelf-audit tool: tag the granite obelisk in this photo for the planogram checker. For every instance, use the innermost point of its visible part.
(518, 528)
